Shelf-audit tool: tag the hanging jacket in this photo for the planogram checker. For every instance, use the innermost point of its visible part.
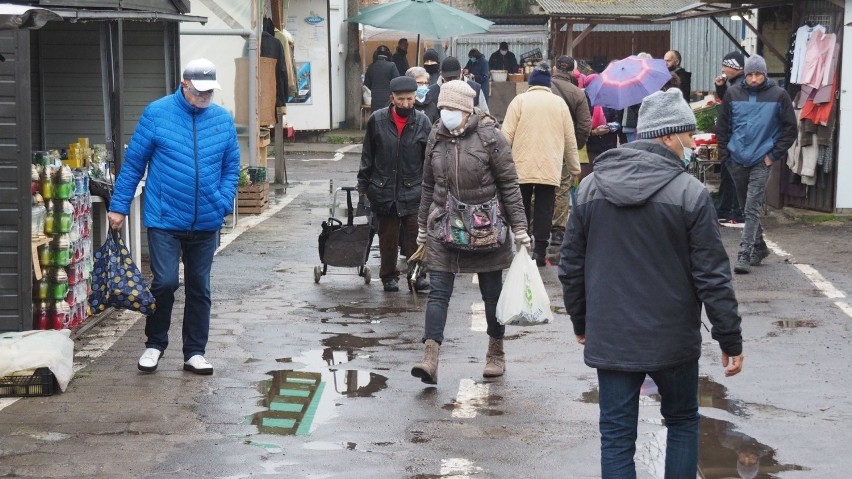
(754, 122)
(642, 254)
(391, 168)
(193, 163)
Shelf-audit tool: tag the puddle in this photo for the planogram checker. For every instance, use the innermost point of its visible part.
(795, 323)
(297, 401)
(346, 341)
(474, 398)
(368, 312)
(724, 452)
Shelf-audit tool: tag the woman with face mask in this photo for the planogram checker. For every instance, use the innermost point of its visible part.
(422, 78)
(432, 65)
(468, 157)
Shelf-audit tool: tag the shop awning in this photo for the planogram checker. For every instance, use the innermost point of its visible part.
(83, 15)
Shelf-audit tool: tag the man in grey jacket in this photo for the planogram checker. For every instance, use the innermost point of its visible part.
(641, 256)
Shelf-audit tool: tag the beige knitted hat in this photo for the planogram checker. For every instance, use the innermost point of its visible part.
(456, 94)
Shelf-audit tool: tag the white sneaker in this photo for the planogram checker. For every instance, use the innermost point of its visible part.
(149, 360)
(198, 365)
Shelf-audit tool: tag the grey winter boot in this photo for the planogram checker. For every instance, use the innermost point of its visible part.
(427, 370)
(758, 254)
(495, 360)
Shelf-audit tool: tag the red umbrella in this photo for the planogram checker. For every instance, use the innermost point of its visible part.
(627, 82)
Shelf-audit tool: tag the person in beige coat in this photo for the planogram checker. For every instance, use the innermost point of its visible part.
(539, 128)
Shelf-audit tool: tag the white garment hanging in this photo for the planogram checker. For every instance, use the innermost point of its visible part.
(803, 34)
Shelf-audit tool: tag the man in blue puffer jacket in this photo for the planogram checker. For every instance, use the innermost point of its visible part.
(755, 128)
(190, 150)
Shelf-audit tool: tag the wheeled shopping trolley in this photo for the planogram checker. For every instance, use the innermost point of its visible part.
(346, 245)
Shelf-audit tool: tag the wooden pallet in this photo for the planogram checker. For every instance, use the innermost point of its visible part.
(253, 199)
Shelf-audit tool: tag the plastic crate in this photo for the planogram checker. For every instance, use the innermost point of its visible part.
(40, 383)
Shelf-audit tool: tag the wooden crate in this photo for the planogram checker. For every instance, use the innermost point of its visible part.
(253, 199)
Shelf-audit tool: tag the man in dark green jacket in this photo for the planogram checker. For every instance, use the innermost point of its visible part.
(390, 175)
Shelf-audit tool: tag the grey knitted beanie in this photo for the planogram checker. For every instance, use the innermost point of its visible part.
(663, 113)
(755, 64)
(456, 94)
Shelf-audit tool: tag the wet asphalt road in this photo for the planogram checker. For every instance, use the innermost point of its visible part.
(312, 380)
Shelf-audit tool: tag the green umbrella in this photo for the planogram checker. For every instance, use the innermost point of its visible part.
(423, 17)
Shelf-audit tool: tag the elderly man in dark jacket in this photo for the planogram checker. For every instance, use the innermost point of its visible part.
(755, 128)
(390, 175)
(642, 254)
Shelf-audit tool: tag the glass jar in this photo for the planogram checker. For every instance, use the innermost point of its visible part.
(39, 212)
(41, 315)
(58, 289)
(64, 216)
(41, 288)
(60, 251)
(50, 216)
(64, 186)
(46, 185)
(59, 315)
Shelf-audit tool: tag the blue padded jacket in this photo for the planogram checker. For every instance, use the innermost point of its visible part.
(193, 162)
(755, 122)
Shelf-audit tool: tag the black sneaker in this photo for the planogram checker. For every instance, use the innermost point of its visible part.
(743, 265)
(758, 255)
(540, 259)
(391, 284)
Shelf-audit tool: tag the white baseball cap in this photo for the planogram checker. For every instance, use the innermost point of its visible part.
(201, 72)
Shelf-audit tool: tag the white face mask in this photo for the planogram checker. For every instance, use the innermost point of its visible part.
(451, 119)
(687, 153)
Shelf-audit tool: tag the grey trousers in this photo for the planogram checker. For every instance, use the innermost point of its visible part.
(750, 183)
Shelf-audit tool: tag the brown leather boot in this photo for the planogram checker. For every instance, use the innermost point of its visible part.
(427, 370)
(495, 360)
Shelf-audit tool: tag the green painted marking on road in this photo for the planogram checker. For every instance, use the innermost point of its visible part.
(285, 406)
(282, 423)
(305, 425)
(294, 392)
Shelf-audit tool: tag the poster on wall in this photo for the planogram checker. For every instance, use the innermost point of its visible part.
(310, 108)
(303, 84)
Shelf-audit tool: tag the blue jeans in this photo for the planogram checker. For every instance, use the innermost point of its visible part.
(750, 183)
(165, 249)
(440, 290)
(619, 405)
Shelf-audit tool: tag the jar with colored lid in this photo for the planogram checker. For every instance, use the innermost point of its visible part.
(64, 186)
(58, 284)
(60, 251)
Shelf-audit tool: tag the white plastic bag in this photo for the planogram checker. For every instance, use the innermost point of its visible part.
(35, 349)
(523, 300)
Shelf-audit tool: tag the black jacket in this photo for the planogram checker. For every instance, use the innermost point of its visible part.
(507, 62)
(391, 165)
(401, 61)
(377, 78)
(642, 253)
(430, 104)
(685, 83)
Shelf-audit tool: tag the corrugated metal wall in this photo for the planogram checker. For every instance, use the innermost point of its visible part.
(68, 95)
(702, 45)
(15, 276)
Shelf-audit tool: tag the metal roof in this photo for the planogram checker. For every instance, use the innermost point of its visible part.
(639, 9)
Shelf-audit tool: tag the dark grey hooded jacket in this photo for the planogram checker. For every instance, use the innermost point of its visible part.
(642, 252)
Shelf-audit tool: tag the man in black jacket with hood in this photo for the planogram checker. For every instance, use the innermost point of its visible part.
(642, 254)
(390, 175)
